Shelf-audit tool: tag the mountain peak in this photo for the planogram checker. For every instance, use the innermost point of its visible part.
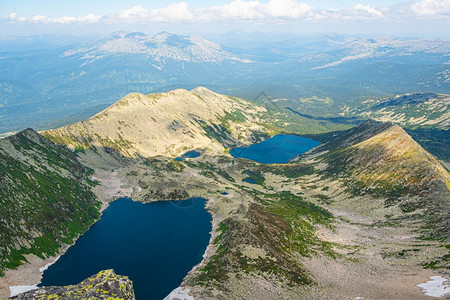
(156, 48)
(396, 143)
(163, 124)
(355, 135)
(385, 162)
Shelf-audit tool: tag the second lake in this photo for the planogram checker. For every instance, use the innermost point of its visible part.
(276, 150)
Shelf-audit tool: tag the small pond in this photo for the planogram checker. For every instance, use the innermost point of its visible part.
(189, 154)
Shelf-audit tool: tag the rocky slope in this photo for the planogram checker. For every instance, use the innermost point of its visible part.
(103, 285)
(165, 124)
(45, 198)
(382, 160)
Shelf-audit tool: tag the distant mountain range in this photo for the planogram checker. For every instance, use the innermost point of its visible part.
(367, 51)
(156, 48)
(69, 82)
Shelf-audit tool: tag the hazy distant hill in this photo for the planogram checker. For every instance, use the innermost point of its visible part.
(50, 85)
(422, 109)
(67, 82)
(157, 48)
(367, 51)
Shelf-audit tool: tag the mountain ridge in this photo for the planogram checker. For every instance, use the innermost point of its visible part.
(138, 124)
(386, 162)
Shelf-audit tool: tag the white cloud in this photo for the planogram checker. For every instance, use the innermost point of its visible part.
(252, 11)
(134, 14)
(431, 8)
(287, 9)
(176, 12)
(40, 18)
(255, 10)
(43, 19)
(90, 18)
(368, 10)
(236, 10)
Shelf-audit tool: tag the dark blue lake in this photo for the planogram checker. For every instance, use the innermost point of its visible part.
(276, 150)
(155, 244)
(189, 154)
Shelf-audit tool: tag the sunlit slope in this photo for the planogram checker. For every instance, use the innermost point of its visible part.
(382, 160)
(164, 124)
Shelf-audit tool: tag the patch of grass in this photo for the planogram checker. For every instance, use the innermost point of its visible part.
(442, 262)
(288, 170)
(256, 176)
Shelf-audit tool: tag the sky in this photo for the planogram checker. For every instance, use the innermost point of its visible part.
(387, 17)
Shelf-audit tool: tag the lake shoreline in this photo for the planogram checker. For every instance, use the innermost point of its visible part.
(185, 290)
(141, 241)
(29, 273)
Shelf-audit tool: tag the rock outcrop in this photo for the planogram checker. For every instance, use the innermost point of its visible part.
(103, 285)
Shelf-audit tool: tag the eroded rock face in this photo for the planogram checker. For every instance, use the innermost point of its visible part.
(103, 285)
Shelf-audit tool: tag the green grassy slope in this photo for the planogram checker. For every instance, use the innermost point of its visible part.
(44, 198)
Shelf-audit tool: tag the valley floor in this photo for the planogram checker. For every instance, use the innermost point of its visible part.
(367, 265)
(297, 232)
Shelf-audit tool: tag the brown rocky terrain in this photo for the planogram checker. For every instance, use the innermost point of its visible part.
(103, 285)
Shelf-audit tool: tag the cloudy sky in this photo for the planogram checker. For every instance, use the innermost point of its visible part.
(413, 18)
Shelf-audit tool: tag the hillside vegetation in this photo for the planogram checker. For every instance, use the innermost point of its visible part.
(382, 160)
(45, 198)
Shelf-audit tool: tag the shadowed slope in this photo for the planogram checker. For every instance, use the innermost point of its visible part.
(44, 198)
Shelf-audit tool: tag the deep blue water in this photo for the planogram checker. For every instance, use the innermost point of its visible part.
(189, 154)
(249, 180)
(276, 150)
(155, 244)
